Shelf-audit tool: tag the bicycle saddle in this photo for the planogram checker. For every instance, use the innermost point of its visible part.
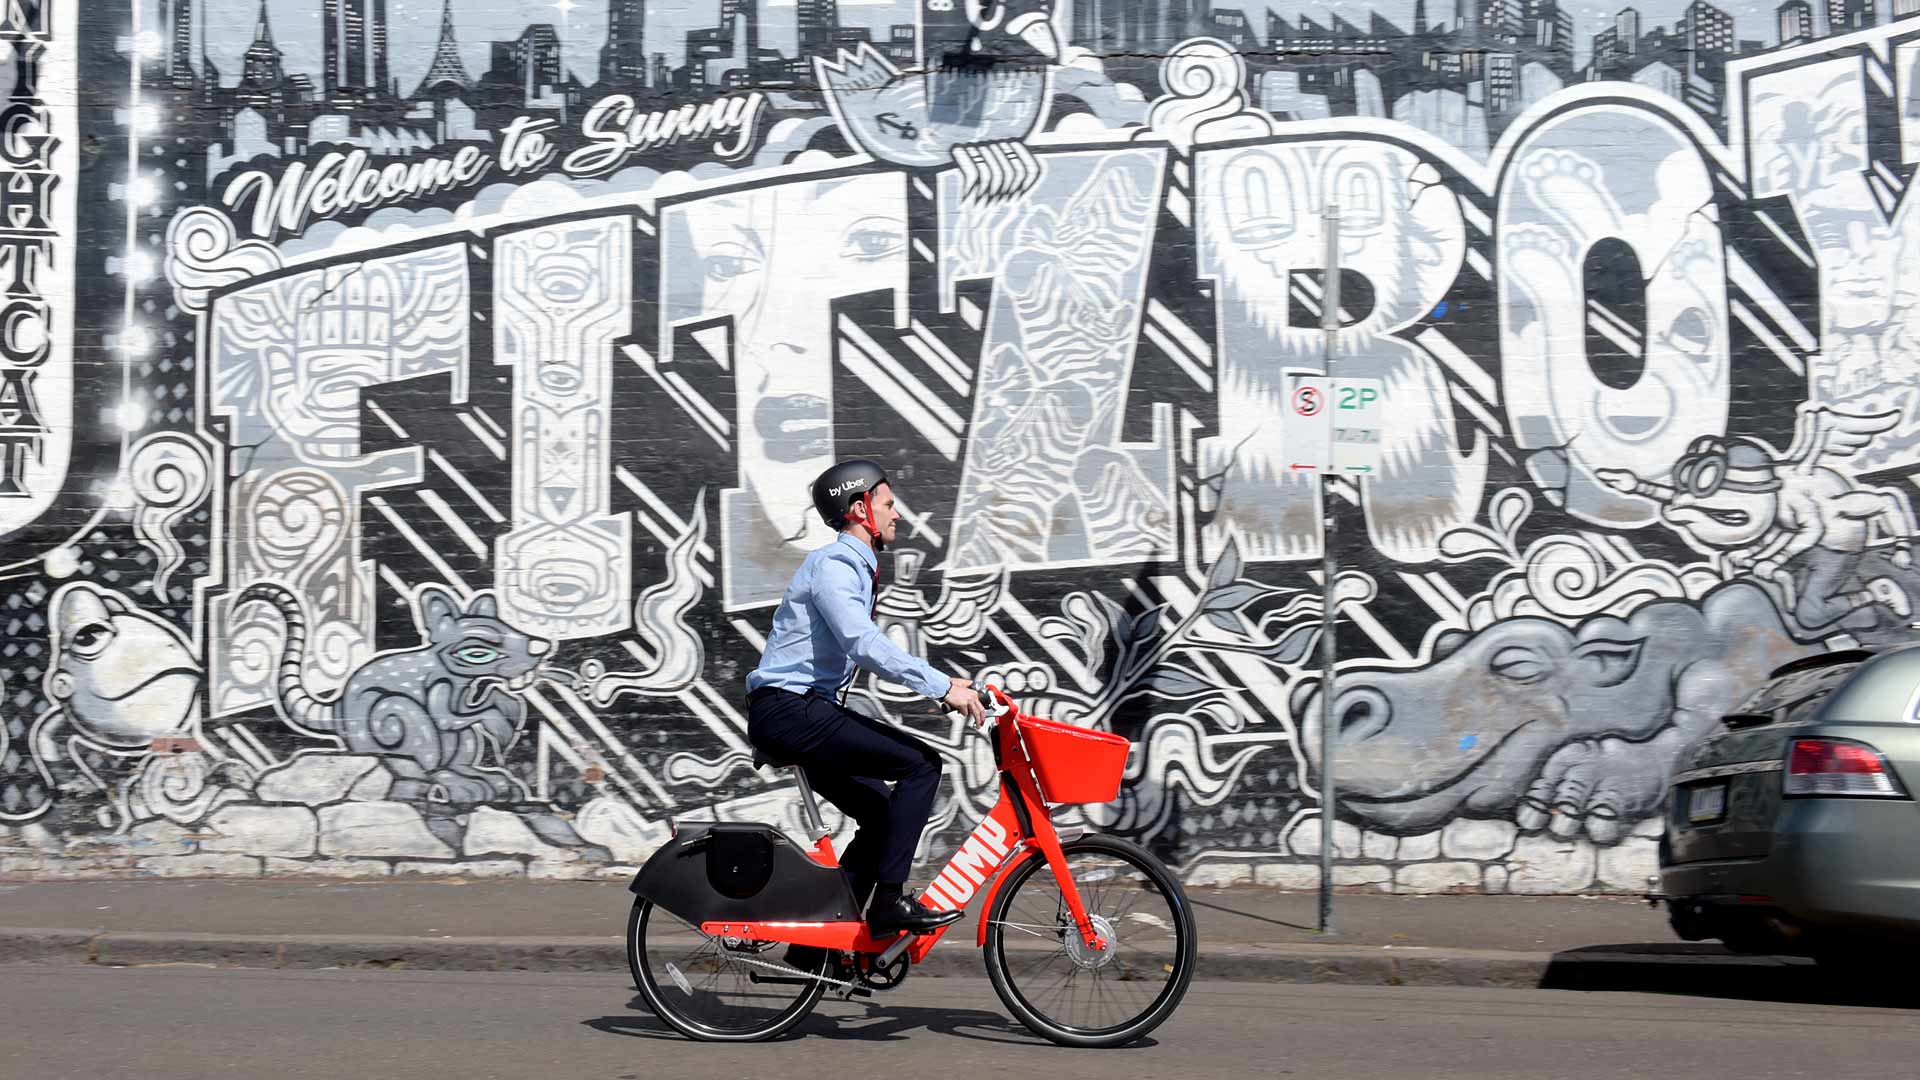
(768, 758)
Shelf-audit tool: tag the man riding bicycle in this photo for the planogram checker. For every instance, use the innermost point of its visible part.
(822, 632)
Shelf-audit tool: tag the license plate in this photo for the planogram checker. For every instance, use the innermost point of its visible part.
(1707, 802)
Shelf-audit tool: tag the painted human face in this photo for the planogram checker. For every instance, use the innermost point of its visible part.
(1814, 153)
(1858, 256)
(775, 259)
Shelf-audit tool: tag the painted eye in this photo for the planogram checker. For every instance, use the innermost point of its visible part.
(91, 640)
(1520, 664)
(873, 238)
(561, 378)
(476, 654)
(726, 261)
(1828, 232)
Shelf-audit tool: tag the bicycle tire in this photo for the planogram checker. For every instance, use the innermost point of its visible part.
(692, 1027)
(1183, 957)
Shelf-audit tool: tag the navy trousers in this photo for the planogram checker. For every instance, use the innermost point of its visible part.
(849, 760)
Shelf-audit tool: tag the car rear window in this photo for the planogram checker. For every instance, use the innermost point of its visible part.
(1797, 695)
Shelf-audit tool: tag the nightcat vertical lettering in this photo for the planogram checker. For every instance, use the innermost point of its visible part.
(27, 186)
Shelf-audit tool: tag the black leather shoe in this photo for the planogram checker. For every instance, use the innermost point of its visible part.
(906, 913)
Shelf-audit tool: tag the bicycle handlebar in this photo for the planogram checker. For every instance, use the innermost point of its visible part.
(988, 701)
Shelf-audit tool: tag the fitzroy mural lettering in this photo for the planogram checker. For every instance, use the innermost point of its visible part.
(403, 451)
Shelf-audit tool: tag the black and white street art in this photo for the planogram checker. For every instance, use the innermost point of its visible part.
(407, 409)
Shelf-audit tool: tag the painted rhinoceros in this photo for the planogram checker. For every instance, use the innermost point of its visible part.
(1557, 728)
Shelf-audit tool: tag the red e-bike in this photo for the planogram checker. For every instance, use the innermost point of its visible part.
(1088, 939)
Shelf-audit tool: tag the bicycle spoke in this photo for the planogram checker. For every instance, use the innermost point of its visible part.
(1071, 987)
(708, 982)
(1029, 928)
(1127, 906)
(1046, 959)
(1059, 985)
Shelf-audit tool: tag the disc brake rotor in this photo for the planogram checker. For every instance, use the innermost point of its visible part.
(1087, 957)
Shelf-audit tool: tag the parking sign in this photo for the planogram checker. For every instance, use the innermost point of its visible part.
(1356, 418)
(1305, 430)
(1332, 425)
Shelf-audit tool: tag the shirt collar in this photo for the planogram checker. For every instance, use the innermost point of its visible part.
(865, 550)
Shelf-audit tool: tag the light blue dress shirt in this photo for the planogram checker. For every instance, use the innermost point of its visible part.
(823, 630)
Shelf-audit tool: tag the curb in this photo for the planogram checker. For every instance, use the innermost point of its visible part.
(1376, 966)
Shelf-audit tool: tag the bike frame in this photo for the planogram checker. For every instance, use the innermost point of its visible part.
(1017, 830)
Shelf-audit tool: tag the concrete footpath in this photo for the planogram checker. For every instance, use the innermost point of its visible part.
(1250, 934)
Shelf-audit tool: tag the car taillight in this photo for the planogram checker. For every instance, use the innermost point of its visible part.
(1839, 767)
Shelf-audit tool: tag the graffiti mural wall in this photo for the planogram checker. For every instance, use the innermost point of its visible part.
(407, 409)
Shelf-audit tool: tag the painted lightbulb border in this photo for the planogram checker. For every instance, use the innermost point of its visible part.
(138, 191)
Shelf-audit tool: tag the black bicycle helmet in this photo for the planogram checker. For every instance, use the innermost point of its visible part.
(836, 489)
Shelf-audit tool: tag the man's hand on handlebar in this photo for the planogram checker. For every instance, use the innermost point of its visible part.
(962, 698)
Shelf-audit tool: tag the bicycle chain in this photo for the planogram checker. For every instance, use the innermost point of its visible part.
(785, 970)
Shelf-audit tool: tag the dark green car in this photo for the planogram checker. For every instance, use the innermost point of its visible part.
(1792, 827)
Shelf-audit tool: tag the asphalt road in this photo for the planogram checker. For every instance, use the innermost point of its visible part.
(162, 1022)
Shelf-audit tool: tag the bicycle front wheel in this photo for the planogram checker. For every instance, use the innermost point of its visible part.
(715, 989)
(1069, 993)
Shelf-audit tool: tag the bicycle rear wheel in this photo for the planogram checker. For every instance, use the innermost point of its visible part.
(1068, 993)
(715, 989)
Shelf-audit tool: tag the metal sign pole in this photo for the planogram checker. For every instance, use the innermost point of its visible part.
(1329, 322)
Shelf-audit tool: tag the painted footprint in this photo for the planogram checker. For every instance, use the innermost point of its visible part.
(1540, 260)
(1568, 187)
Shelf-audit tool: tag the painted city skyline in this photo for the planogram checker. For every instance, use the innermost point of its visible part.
(225, 29)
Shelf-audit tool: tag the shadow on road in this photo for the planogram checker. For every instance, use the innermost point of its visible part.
(1705, 970)
(1249, 915)
(879, 1023)
(644, 1026)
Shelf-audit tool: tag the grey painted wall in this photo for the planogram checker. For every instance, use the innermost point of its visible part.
(407, 410)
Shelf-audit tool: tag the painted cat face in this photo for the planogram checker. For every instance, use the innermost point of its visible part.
(475, 645)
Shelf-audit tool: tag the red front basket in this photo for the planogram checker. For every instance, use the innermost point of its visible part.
(1075, 764)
